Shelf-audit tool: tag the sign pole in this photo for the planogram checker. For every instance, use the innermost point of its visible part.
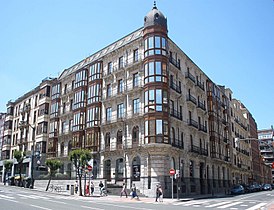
(172, 186)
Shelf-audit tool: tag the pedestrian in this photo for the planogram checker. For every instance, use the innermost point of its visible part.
(157, 193)
(76, 186)
(133, 192)
(87, 189)
(91, 188)
(124, 190)
(160, 190)
(101, 186)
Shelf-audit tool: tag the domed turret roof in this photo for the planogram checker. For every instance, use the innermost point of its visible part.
(155, 17)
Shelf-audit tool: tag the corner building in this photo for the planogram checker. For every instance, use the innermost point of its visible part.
(140, 106)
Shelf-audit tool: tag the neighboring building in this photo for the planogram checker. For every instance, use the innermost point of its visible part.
(2, 127)
(26, 126)
(266, 137)
(142, 107)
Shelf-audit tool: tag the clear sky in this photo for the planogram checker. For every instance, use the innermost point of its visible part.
(231, 41)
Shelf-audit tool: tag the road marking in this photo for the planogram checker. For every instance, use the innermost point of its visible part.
(57, 202)
(243, 205)
(228, 205)
(121, 206)
(8, 200)
(40, 207)
(88, 207)
(257, 206)
(218, 204)
(194, 203)
(5, 196)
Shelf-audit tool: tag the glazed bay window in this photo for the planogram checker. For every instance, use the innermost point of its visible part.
(156, 131)
(155, 45)
(95, 71)
(79, 99)
(53, 126)
(120, 111)
(155, 72)
(94, 93)
(136, 106)
(93, 117)
(78, 121)
(156, 100)
(55, 92)
(80, 79)
(54, 110)
(108, 114)
(42, 128)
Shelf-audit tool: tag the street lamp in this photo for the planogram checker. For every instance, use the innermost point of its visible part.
(24, 124)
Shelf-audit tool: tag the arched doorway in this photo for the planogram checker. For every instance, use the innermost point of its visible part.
(107, 170)
(119, 170)
(136, 169)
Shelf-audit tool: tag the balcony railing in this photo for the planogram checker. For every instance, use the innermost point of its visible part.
(175, 87)
(198, 150)
(203, 128)
(176, 143)
(201, 85)
(175, 62)
(188, 75)
(176, 114)
(201, 105)
(191, 98)
(192, 123)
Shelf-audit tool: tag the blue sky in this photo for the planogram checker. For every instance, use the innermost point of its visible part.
(231, 41)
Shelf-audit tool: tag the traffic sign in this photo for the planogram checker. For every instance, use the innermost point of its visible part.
(89, 168)
(172, 171)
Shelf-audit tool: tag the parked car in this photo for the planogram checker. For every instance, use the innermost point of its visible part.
(257, 187)
(237, 189)
(267, 187)
(251, 188)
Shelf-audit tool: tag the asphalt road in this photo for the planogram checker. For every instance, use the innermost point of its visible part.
(14, 198)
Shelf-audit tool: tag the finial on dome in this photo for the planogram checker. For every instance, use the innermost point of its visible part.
(154, 5)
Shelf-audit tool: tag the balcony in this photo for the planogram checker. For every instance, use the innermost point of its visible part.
(192, 123)
(189, 76)
(175, 63)
(175, 87)
(201, 85)
(176, 114)
(191, 98)
(202, 128)
(198, 150)
(176, 143)
(201, 105)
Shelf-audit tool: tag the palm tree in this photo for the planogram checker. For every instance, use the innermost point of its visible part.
(80, 159)
(8, 165)
(18, 155)
(53, 166)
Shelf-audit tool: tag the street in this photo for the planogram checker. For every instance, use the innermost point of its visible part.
(14, 198)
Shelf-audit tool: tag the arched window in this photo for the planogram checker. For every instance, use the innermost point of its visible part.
(62, 149)
(107, 141)
(135, 135)
(119, 139)
(119, 169)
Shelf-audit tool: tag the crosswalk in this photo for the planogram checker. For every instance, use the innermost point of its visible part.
(204, 204)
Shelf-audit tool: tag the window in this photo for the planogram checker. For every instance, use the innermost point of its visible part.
(135, 134)
(110, 67)
(156, 131)
(107, 139)
(191, 169)
(95, 71)
(93, 117)
(108, 114)
(120, 86)
(121, 62)
(120, 111)
(54, 109)
(108, 90)
(135, 55)
(55, 92)
(64, 108)
(78, 121)
(135, 80)
(156, 100)
(79, 99)
(94, 93)
(119, 137)
(80, 79)
(155, 45)
(155, 72)
(136, 106)
(42, 128)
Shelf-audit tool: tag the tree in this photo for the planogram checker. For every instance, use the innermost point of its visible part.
(8, 165)
(19, 156)
(80, 160)
(53, 166)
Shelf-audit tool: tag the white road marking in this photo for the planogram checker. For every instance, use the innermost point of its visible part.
(218, 204)
(40, 207)
(5, 196)
(228, 205)
(88, 207)
(257, 206)
(8, 200)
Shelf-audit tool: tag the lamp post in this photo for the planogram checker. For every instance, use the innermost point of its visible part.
(24, 124)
